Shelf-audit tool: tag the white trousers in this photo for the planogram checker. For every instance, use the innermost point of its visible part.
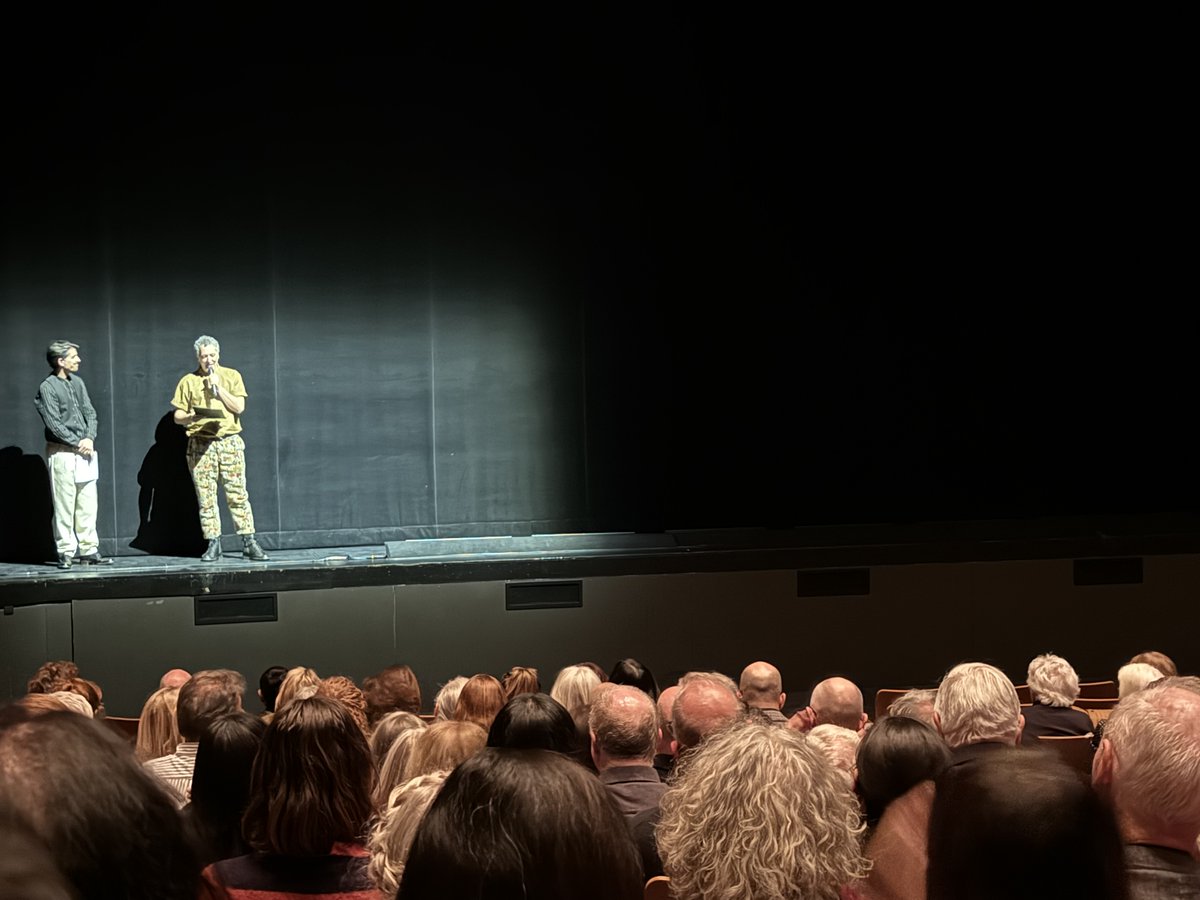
(74, 504)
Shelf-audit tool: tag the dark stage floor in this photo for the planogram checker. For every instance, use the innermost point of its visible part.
(565, 556)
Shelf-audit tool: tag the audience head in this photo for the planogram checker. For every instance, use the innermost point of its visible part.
(1148, 764)
(623, 722)
(72, 702)
(443, 746)
(630, 671)
(52, 676)
(221, 781)
(174, 678)
(719, 677)
(1160, 661)
(1132, 677)
(534, 721)
(393, 833)
(761, 686)
(311, 782)
(1014, 824)
(977, 703)
(595, 667)
(158, 731)
(520, 680)
(298, 682)
(345, 691)
(55, 701)
(666, 711)
(109, 825)
(838, 745)
(206, 695)
(393, 767)
(395, 687)
(522, 823)
(915, 704)
(1052, 680)
(702, 707)
(388, 729)
(894, 755)
(446, 701)
(573, 688)
(838, 701)
(268, 685)
(90, 692)
(787, 817)
(479, 701)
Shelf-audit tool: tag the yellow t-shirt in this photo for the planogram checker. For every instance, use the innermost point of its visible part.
(194, 395)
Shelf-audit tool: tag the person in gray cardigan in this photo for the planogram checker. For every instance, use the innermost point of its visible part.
(70, 419)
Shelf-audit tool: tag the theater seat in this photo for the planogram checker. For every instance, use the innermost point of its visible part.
(1097, 689)
(657, 888)
(885, 697)
(125, 726)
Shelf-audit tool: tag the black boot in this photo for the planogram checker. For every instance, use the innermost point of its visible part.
(213, 553)
(251, 550)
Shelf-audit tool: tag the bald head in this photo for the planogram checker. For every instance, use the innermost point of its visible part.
(174, 678)
(838, 701)
(666, 702)
(702, 707)
(761, 686)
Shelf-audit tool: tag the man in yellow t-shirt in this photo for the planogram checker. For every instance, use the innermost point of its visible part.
(209, 403)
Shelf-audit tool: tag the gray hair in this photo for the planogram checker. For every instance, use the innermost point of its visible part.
(975, 703)
(915, 704)
(1052, 680)
(57, 350)
(207, 341)
(1155, 735)
(624, 720)
(1132, 677)
(838, 745)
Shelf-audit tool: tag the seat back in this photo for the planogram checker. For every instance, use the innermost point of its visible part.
(1023, 693)
(1097, 689)
(1089, 703)
(1075, 749)
(125, 726)
(657, 888)
(885, 697)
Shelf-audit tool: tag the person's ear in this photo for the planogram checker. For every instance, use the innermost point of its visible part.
(1020, 730)
(937, 723)
(1104, 766)
(782, 699)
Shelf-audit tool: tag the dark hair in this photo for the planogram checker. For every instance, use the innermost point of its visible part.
(632, 672)
(206, 695)
(221, 784)
(52, 676)
(312, 780)
(522, 823)
(530, 721)
(1159, 660)
(110, 826)
(1011, 822)
(595, 667)
(894, 755)
(27, 869)
(396, 687)
(268, 685)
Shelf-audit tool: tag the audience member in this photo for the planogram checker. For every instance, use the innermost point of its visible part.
(520, 680)
(1132, 677)
(388, 729)
(90, 692)
(630, 671)
(761, 689)
(1160, 661)
(1054, 686)
(343, 689)
(446, 700)
(895, 755)
(298, 681)
(1148, 767)
(157, 731)
(442, 746)
(204, 697)
(268, 688)
(521, 823)
(393, 768)
(838, 745)
(915, 704)
(596, 670)
(664, 756)
(702, 707)
(573, 688)
(534, 721)
(1013, 824)
(109, 826)
(55, 701)
(221, 784)
(310, 802)
(52, 676)
(623, 725)
(977, 710)
(174, 678)
(834, 701)
(393, 833)
(788, 824)
(479, 701)
(393, 688)
(73, 702)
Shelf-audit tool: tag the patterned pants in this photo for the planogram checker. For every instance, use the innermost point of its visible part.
(220, 461)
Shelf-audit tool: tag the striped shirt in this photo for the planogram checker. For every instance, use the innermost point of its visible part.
(175, 771)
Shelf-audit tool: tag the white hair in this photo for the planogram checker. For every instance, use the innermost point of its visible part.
(1155, 735)
(206, 341)
(838, 745)
(1052, 680)
(1132, 677)
(977, 703)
